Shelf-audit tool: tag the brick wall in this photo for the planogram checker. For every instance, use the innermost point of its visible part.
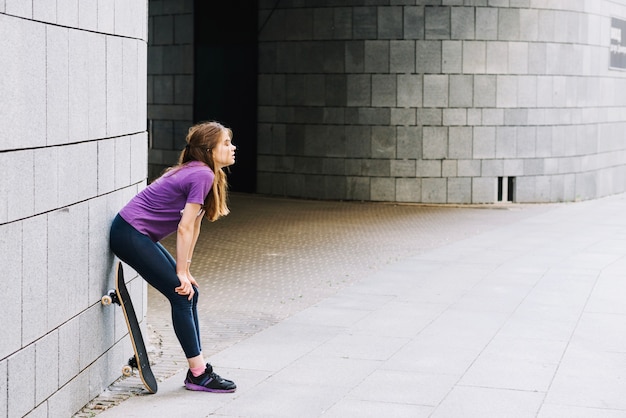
(440, 101)
(72, 152)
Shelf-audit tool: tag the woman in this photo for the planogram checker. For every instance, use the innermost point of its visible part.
(176, 202)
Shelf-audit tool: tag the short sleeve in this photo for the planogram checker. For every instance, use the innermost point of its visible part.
(199, 184)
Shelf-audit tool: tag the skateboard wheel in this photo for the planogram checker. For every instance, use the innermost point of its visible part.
(106, 300)
(127, 371)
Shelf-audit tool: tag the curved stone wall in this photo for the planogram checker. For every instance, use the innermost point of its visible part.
(441, 101)
(73, 150)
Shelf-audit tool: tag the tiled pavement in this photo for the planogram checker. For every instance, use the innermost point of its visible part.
(367, 309)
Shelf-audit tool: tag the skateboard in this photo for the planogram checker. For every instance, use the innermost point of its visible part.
(139, 361)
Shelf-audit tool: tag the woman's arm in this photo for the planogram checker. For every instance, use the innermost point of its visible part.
(186, 238)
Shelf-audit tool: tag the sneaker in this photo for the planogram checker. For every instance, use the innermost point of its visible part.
(209, 382)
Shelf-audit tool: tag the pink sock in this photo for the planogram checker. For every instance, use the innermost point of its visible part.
(197, 371)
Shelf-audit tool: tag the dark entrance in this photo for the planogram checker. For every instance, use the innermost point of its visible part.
(226, 78)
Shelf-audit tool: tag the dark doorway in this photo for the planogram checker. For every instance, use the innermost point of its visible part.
(226, 78)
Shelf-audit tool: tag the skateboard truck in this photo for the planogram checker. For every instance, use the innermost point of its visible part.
(110, 297)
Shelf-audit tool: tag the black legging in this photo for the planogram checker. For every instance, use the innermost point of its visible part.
(157, 266)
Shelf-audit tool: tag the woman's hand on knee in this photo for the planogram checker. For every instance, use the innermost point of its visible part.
(185, 288)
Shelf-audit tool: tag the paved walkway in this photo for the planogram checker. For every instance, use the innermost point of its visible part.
(366, 310)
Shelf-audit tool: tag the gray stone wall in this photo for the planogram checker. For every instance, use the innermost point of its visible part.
(72, 152)
(170, 80)
(439, 101)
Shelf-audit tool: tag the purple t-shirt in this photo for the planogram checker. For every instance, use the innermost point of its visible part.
(156, 210)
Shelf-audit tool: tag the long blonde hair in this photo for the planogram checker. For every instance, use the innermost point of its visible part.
(201, 139)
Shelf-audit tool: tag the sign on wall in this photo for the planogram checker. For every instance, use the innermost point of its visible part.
(618, 44)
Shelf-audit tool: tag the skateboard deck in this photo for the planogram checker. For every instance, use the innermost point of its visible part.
(140, 360)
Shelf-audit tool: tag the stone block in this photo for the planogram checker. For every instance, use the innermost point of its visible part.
(526, 141)
(434, 190)
(518, 58)
(437, 23)
(459, 190)
(390, 21)
(428, 168)
(375, 168)
(403, 117)
(435, 90)
(106, 16)
(409, 92)
(460, 142)
(358, 188)
(462, 23)
(485, 91)
(22, 83)
(4, 372)
(508, 24)
(493, 117)
(448, 168)
(19, 177)
(452, 57)
(11, 239)
(139, 157)
(358, 141)
(376, 56)
(21, 396)
(506, 142)
(336, 90)
(506, 91)
(414, 22)
(435, 143)
(492, 168)
(342, 23)
(484, 142)
(19, 8)
(46, 366)
(88, 15)
(354, 56)
(114, 83)
(364, 22)
(428, 57)
(97, 85)
(46, 161)
(78, 86)
(402, 168)
(454, 117)
(71, 397)
(383, 142)
(43, 11)
(429, 117)
(358, 89)
(35, 267)
(57, 85)
(77, 182)
(382, 189)
(483, 190)
(474, 117)
(486, 23)
(384, 90)
(374, 116)
(106, 166)
(402, 57)
(474, 57)
(528, 24)
(67, 13)
(527, 91)
(68, 239)
(409, 190)
(497, 57)
(461, 91)
(409, 142)
(468, 168)
(537, 59)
